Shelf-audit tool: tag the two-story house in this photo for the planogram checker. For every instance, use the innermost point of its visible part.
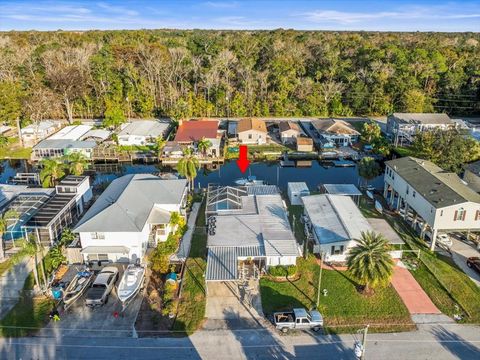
(431, 198)
(133, 213)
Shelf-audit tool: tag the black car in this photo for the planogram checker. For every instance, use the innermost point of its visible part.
(474, 263)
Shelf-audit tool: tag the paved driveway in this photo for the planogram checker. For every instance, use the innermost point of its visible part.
(460, 252)
(413, 296)
(82, 321)
(233, 305)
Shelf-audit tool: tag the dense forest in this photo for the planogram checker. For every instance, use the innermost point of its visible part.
(120, 74)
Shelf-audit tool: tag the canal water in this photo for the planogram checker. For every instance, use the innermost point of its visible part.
(311, 172)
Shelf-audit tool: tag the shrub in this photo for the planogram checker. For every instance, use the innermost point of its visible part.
(282, 270)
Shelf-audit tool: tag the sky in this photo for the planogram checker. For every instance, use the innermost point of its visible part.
(387, 15)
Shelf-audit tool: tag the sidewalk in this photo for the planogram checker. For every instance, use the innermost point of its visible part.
(412, 295)
(11, 284)
(186, 242)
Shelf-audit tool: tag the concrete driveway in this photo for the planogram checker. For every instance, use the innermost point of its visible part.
(460, 252)
(81, 321)
(233, 305)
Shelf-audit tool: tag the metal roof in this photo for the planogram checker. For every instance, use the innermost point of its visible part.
(72, 132)
(342, 189)
(222, 261)
(298, 187)
(423, 118)
(150, 128)
(64, 144)
(335, 218)
(440, 188)
(262, 189)
(127, 203)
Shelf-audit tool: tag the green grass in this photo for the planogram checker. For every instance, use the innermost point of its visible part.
(27, 316)
(191, 307)
(297, 211)
(344, 308)
(403, 151)
(367, 208)
(15, 151)
(5, 266)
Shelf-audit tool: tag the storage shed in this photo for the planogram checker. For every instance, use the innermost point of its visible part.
(295, 192)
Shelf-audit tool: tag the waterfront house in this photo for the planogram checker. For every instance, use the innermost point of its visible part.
(402, 127)
(132, 214)
(338, 132)
(432, 199)
(33, 133)
(189, 133)
(333, 223)
(248, 231)
(304, 144)
(252, 131)
(289, 132)
(143, 132)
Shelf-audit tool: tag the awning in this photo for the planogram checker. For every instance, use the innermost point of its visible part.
(105, 250)
(222, 261)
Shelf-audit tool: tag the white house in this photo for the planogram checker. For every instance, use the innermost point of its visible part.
(252, 131)
(432, 199)
(334, 223)
(248, 231)
(338, 132)
(143, 132)
(131, 214)
(289, 131)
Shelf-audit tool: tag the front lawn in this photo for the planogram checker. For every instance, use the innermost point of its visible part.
(14, 151)
(344, 308)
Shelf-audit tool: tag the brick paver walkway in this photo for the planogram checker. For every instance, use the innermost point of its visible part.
(413, 296)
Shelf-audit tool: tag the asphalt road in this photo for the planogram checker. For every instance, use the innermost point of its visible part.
(437, 342)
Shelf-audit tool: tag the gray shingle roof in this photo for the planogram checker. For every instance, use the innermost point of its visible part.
(128, 201)
(423, 118)
(440, 188)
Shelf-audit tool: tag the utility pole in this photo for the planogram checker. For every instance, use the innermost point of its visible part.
(320, 279)
(364, 341)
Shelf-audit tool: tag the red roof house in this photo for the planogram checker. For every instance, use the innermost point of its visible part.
(190, 131)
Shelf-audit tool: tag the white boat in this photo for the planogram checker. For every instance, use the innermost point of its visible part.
(131, 283)
(378, 207)
(370, 195)
(77, 287)
(250, 180)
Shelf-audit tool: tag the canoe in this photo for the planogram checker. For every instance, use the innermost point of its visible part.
(131, 283)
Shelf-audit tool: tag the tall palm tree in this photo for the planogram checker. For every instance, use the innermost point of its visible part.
(188, 166)
(77, 163)
(203, 145)
(52, 171)
(369, 261)
(161, 142)
(368, 168)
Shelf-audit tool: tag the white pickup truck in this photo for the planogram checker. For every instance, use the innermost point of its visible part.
(298, 319)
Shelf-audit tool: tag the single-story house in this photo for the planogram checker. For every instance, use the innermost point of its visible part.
(337, 131)
(143, 132)
(289, 131)
(52, 148)
(402, 127)
(334, 223)
(304, 144)
(296, 190)
(189, 133)
(252, 131)
(132, 214)
(248, 231)
(36, 132)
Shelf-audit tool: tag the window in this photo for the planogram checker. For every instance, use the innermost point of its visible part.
(305, 321)
(459, 215)
(97, 236)
(249, 136)
(337, 250)
(414, 193)
(408, 189)
(441, 212)
(477, 215)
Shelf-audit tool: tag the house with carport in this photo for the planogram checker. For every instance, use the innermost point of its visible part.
(132, 214)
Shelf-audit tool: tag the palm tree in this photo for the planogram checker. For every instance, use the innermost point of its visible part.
(188, 166)
(203, 145)
(368, 168)
(52, 170)
(76, 163)
(369, 261)
(161, 142)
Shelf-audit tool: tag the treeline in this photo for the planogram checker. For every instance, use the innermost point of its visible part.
(120, 74)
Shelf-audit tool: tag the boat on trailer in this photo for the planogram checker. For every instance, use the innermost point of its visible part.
(131, 283)
(77, 287)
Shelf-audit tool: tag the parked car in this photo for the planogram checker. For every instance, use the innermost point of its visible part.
(443, 240)
(474, 263)
(103, 284)
(298, 319)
